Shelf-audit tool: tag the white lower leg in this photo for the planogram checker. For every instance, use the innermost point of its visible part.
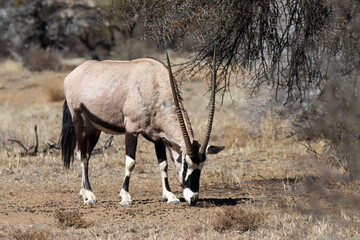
(129, 166)
(87, 195)
(171, 198)
(124, 194)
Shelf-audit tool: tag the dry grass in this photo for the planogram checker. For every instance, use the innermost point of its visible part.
(39, 59)
(28, 235)
(237, 219)
(12, 70)
(20, 85)
(73, 219)
(54, 90)
(264, 185)
(270, 133)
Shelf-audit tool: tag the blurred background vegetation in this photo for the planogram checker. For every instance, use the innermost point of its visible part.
(39, 33)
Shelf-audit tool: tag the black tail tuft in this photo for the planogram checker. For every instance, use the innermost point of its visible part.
(68, 137)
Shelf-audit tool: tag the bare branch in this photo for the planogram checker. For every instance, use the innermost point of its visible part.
(35, 148)
(103, 148)
(36, 140)
(18, 142)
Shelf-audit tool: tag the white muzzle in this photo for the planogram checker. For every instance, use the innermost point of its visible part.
(190, 196)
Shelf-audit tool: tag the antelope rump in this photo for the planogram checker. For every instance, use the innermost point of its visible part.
(133, 97)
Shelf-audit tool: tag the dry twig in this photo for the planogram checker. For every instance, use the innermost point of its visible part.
(34, 149)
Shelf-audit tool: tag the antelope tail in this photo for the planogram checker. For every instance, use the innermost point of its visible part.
(68, 137)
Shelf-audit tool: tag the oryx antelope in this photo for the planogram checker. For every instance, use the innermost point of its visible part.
(133, 97)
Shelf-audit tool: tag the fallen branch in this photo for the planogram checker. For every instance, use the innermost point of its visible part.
(36, 140)
(50, 146)
(34, 149)
(18, 142)
(103, 148)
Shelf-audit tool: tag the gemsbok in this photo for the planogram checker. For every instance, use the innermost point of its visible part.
(133, 97)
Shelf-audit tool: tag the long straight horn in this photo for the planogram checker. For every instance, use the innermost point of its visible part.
(189, 149)
(212, 109)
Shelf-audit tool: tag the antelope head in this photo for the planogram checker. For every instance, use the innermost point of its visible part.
(194, 157)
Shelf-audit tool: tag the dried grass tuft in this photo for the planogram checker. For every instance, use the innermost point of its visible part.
(54, 90)
(29, 235)
(238, 136)
(70, 219)
(10, 67)
(237, 219)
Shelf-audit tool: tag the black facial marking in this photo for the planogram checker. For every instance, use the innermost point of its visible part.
(193, 181)
(202, 158)
(185, 168)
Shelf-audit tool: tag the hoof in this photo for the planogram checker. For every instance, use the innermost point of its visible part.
(88, 196)
(176, 201)
(125, 203)
(91, 202)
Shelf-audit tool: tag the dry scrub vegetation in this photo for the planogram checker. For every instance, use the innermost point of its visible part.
(70, 219)
(267, 184)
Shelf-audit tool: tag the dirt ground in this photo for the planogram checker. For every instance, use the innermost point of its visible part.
(276, 187)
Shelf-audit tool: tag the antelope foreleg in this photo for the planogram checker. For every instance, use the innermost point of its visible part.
(163, 166)
(130, 146)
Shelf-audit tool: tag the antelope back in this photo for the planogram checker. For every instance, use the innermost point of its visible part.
(132, 96)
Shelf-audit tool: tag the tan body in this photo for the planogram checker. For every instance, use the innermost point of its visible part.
(135, 98)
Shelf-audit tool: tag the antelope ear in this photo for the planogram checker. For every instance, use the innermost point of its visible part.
(214, 149)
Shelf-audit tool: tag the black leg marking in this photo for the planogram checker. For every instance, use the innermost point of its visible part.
(86, 183)
(92, 139)
(126, 183)
(130, 145)
(130, 148)
(160, 150)
(81, 136)
(167, 186)
(162, 160)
